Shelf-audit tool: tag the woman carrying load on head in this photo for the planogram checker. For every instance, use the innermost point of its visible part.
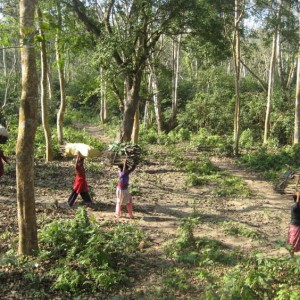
(80, 184)
(294, 227)
(122, 192)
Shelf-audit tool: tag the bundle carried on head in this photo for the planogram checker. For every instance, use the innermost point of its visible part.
(3, 135)
(72, 149)
(290, 182)
(121, 151)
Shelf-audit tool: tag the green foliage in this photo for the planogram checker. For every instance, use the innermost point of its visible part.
(230, 186)
(87, 256)
(10, 147)
(177, 279)
(237, 229)
(246, 139)
(199, 170)
(150, 136)
(271, 163)
(82, 136)
(82, 116)
(204, 110)
(201, 166)
(40, 147)
(260, 278)
(204, 141)
(185, 242)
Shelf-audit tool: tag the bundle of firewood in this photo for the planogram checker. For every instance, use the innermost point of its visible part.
(119, 152)
(3, 135)
(290, 182)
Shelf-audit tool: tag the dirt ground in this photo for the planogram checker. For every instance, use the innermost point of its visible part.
(163, 200)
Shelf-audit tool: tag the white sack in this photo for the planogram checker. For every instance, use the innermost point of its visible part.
(3, 131)
(72, 149)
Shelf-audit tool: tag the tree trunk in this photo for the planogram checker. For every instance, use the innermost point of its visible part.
(156, 100)
(297, 101)
(136, 127)
(132, 89)
(62, 84)
(237, 65)
(7, 76)
(28, 243)
(176, 55)
(50, 84)
(270, 89)
(147, 115)
(44, 95)
(103, 105)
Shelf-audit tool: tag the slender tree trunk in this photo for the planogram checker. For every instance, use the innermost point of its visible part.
(50, 83)
(147, 115)
(270, 89)
(7, 76)
(297, 101)
(156, 100)
(176, 55)
(136, 127)
(291, 75)
(237, 65)
(28, 243)
(44, 95)
(280, 64)
(103, 105)
(61, 75)
(4, 62)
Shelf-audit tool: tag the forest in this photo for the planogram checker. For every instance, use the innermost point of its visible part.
(208, 91)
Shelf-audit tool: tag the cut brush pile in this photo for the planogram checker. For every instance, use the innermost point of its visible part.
(118, 152)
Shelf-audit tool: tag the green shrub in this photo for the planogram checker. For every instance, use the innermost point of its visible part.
(260, 278)
(86, 256)
(234, 228)
(230, 186)
(246, 139)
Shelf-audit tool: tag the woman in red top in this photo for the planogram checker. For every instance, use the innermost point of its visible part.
(2, 159)
(80, 184)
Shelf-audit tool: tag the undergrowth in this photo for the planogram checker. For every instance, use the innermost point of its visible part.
(272, 164)
(78, 257)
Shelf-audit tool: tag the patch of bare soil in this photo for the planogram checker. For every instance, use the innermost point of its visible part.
(163, 200)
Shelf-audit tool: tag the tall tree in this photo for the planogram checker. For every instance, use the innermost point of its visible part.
(62, 83)
(270, 89)
(26, 134)
(297, 100)
(237, 65)
(127, 32)
(175, 78)
(103, 102)
(44, 86)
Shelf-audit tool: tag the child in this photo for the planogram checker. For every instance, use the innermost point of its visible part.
(80, 184)
(122, 190)
(2, 159)
(294, 228)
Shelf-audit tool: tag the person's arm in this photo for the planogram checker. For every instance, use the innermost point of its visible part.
(5, 158)
(78, 158)
(132, 168)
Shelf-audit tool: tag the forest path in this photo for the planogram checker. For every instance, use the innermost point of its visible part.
(166, 199)
(163, 200)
